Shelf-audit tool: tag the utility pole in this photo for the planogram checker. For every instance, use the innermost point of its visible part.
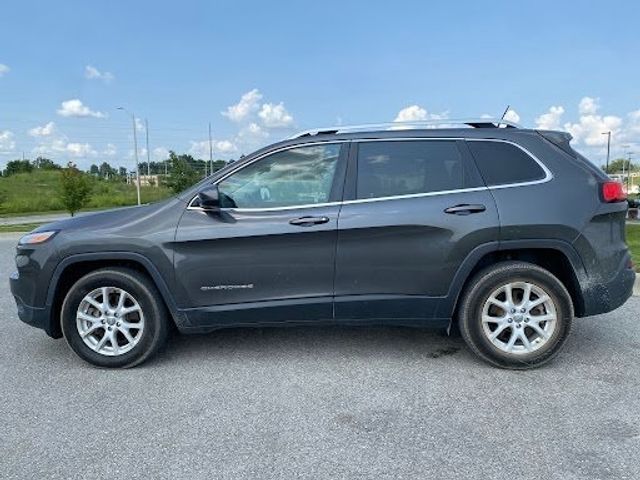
(210, 152)
(146, 130)
(135, 151)
(608, 134)
(628, 170)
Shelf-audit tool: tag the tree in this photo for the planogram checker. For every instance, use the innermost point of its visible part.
(94, 170)
(122, 172)
(106, 170)
(18, 166)
(43, 163)
(218, 164)
(75, 188)
(620, 164)
(182, 175)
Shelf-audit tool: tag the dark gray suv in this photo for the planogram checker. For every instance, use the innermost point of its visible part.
(503, 233)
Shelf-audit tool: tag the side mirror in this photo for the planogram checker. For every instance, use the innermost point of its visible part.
(210, 199)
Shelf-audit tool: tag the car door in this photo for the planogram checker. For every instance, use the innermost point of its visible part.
(415, 209)
(269, 254)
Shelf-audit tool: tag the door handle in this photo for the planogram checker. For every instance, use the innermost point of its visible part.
(308, 221)
(465, 209)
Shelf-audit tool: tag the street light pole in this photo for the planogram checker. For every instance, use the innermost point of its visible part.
(210, 152)
(135, 151)
(608, 134)
(628, 169)
(146, 131)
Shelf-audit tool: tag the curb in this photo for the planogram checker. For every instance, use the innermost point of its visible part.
(636, 286)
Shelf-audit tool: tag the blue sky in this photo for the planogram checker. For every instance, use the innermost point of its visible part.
(65, 67)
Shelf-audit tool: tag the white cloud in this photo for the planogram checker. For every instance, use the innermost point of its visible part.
(220, 147)
(160, 153)
(139, 125)
(551, 119)
(61, 146)
(249, 103)
(253, 132)
(412, 113)
(588, 106)
(275, 116)
(590, 126)
(4, 69)
(415, 113)
(224, 146)
(634, 123)
(43, 130)
(587, 131)
(80, 150)
(92, 73)
(7, 143)
(110, 150)
(75, 108)
(512, 116)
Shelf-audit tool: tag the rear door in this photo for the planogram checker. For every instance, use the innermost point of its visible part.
(269, 255)
(418, 207)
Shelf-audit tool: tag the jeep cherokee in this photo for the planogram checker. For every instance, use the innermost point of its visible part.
(503, 233)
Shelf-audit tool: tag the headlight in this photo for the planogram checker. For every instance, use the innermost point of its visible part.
(37, 237)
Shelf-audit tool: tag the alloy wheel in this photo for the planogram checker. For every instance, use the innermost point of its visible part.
(110, 321)
(519, 317)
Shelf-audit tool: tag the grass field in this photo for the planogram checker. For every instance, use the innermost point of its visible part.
(21, 228)
(37, 192)
(633, 241)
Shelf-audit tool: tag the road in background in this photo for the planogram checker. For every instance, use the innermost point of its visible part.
(320, 403)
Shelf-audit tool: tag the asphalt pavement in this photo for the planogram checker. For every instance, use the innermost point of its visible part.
(320, 403)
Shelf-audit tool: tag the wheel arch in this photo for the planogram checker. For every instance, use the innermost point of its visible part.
(557, 256)
(74, 267)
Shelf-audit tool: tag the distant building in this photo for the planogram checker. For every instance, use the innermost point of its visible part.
(146, 180)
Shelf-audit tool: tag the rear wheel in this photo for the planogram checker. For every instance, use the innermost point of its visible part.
(515, 315)
(114, 318)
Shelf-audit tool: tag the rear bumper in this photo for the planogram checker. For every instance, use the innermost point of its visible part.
(607, 296)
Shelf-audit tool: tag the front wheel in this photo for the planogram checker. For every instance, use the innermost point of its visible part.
(515, 315)
(114, 317)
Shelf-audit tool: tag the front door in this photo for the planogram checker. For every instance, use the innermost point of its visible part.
(419, 207)
(269, 255)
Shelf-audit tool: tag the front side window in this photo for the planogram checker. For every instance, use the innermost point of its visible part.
(299, 176)
(391, 168)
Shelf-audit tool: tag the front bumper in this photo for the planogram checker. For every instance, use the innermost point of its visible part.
(34, 316)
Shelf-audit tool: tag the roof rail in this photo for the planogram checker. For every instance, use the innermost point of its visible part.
(442, 123)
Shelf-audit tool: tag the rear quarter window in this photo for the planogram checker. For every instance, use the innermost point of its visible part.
(502, 163)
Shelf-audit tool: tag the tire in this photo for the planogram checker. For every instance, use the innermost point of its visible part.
(142, 314)
(488, 322)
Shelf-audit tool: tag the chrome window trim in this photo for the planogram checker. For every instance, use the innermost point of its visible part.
(548, 175)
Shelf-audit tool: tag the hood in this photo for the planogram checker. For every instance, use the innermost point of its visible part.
(109, 220)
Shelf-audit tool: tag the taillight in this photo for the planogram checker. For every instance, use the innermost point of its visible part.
(613, 192)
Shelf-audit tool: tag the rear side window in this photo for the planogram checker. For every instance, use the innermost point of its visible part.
(502, 163)
(387, 169)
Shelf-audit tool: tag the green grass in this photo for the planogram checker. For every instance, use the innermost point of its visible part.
(21, 228)
(37, 192)
(633, 241)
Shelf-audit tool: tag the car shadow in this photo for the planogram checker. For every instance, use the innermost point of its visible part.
(312, 341)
